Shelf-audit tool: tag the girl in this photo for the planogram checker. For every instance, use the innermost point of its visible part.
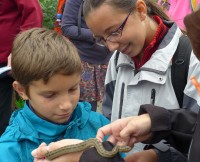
(146, 41)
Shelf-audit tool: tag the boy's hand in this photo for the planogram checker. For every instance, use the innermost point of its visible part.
(39, 153)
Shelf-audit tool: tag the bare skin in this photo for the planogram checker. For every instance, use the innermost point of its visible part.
(142, 156)
(127, 131)
(39, 153)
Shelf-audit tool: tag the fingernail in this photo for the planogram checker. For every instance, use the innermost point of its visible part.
(33, 153)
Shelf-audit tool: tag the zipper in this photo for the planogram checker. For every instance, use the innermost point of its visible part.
(121, 100)
(153, 96)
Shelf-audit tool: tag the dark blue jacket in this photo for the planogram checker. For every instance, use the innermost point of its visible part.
(89, 51)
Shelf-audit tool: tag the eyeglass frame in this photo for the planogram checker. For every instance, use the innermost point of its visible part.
(117, 33)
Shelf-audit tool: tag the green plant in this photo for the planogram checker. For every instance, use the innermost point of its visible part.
(49, 10)
(19, 103)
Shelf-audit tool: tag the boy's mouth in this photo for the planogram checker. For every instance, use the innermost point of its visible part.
(65, 115)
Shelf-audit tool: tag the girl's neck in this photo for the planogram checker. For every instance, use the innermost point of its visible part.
(153, 40)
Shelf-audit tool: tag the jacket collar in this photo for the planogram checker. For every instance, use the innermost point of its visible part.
(27, 124)
(161, 58)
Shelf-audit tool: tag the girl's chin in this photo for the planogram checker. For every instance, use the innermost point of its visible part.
(129, 54)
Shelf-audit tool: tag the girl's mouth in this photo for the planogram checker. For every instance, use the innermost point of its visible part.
(125, 50)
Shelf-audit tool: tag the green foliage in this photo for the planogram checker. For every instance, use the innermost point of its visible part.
(19, 103)
(49, 10)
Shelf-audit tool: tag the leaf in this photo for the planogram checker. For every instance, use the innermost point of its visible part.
(49, 8)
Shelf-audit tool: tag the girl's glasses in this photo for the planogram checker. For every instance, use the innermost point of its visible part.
(114, 36)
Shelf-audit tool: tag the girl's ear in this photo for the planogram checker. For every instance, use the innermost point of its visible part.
(20, 90)
(141, 8)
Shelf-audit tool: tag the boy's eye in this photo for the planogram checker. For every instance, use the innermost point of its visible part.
(73, 89)
(49, 95)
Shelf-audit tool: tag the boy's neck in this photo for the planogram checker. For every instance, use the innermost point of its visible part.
(32, 109)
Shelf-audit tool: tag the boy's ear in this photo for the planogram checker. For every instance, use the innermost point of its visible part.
(20, 90)
(141, 8)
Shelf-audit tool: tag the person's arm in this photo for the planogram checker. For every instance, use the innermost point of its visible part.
(127, 131)
(176, 126)
(70, 22)
(31, 14)
(154, 124)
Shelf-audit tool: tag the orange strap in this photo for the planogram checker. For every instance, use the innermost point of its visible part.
(60, 6)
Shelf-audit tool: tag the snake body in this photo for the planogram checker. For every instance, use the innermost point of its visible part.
(92, 142)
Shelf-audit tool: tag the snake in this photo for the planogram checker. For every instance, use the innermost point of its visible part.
(92, 142)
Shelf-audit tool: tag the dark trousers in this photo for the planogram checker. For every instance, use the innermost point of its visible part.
(94, 105)
(6, 91)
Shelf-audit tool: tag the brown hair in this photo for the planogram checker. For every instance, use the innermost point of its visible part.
(152, 7)
(40, 53)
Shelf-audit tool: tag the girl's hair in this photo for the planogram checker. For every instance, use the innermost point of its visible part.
(40, 53)
(152, 7)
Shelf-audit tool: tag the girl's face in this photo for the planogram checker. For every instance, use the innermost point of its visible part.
(137, 29)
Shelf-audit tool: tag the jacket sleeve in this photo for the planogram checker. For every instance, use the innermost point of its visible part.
(175, 126)
(31, 14)
(70, 22)
(10, 151)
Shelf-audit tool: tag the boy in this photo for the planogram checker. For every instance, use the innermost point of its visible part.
(47, 70)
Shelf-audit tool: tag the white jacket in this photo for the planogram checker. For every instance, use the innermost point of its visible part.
(127, 89)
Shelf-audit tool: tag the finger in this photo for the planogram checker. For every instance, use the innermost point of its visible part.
(132, 141)
(112, 139)
(103, 131)
(43, 144)
(40, 151)
(122, 143)
(128, 131)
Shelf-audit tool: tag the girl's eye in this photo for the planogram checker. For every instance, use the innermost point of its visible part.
(115, 34)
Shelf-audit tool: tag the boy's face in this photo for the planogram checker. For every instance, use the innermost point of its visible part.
(54, 101)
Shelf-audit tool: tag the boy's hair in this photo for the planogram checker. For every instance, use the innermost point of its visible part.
(126, 5)
(39, 53)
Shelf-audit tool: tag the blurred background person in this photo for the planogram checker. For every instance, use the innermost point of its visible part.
(178, 9)
(15, 16)
(94, 57)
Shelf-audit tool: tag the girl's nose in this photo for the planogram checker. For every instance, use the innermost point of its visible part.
(112, 46)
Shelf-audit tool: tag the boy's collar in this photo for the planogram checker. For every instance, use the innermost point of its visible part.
(31, 108)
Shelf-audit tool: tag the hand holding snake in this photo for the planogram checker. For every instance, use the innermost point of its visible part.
(50, 155)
